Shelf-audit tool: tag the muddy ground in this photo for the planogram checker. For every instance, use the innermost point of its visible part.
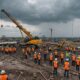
(18, 68)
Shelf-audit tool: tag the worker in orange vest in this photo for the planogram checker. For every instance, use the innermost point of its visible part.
(10, 51)
(77, 64)
(56, 54)
(7, 50)
(62, 57)
(73, 59)
(66, 68)
(3, 75)
(14, 49)
(39, 58)
(55, 66)
(51, 58)
(35, 57)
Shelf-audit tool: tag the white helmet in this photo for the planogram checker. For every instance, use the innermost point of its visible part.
(39, 53)
(35, 52)
(67, 59)
(56, 59)
(3, 71)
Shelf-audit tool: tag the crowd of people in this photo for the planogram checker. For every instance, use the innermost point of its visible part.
(8, 49)
(56, 58)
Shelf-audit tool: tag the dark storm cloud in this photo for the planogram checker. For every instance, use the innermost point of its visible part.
(38, 11)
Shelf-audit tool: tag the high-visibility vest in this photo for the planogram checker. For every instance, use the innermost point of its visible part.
(3, 77)
(62, 55)
(77, 62)
(35, 56)
(73, 58)
(6, 49)
(55, 64)
(66, 66)
(39, 56)
(51, 57)
(10, 49)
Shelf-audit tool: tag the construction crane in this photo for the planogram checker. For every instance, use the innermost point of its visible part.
(31, 40)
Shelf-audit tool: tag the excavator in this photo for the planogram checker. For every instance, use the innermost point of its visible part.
(29, 40)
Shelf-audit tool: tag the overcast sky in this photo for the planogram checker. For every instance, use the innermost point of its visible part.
(38, 16)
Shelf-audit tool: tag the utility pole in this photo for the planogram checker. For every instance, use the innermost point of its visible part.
(51, 30)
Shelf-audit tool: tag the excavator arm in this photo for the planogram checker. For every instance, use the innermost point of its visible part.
(18, 24)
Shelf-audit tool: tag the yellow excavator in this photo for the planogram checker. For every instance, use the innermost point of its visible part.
(30, 40)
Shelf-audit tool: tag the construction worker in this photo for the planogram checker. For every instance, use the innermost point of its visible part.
(3, 75)
(51, 58)
(39, 58)
(62, 57)
(55, 66)
(50, 49)
(45, 55)
(2, 49)
(14, 49)
(66, 68)
(56, 54)
(77, 64)
(67, 55)
(32, 49)
(35, 57)
(6, 50)
(10, 50)
(73, 59)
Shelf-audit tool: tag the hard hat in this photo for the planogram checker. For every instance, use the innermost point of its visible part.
(78, 57)
(35, 52)
(67, 59)
(56, 59)
(39, 53)
(3, 71)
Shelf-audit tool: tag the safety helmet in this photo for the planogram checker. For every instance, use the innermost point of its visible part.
(78, 57)
(39, 53)
(55, 59)
(35, 52)
(3, 71)
(67, 59)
